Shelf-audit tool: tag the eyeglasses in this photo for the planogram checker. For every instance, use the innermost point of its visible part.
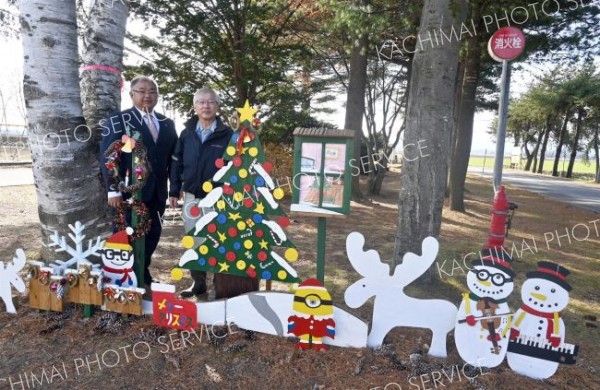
(113, 255)
(208, 102)
(312, 300)
(497, 279)
(151, 93)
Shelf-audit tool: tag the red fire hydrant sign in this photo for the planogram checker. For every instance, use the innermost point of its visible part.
(506, 44)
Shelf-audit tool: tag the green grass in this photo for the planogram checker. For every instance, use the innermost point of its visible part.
(580, 169)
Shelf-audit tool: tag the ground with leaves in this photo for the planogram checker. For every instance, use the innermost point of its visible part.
(114, 352)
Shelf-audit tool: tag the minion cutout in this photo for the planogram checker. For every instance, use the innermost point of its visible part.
(313, 315)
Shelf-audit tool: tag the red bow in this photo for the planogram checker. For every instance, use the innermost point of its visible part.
(240, 142)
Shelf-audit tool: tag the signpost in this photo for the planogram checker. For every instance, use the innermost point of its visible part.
(321, 179)
(505, 45)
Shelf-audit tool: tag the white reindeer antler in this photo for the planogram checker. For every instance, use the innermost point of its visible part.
(19, 260)
(365, 263)
(413, 265)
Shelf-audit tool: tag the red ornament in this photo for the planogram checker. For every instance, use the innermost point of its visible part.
(284, 222)
(268, 166)
(212, 261)
(237, 161)
(230, 256)
(248, 203)
(247, 187)
(195, 211)
(256, 122)
(211, 228)
(251, 271)
(262, 256)
(219, 163)
(259, 233)
(232, 232)
(228, 190)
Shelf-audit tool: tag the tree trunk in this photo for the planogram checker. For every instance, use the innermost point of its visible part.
(65, 163)
(355, 103)
(536, 150)
(561, 141)
(580, 115)
(544, 144)
(464, 132)
(529, 155)
(455, 116)
(429, 124)
(103, 38)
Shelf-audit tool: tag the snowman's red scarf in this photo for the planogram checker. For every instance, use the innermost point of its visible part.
(548, 316)
(125, 271)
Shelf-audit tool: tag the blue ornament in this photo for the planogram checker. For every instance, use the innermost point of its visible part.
(257, 218)
(237, 245)
(233, 179)
(259, 181)
(202, 261)
(222, 218)
(266, 275)
(222, 250)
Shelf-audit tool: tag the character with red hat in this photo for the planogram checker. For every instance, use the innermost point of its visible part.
(537, 323)
(117, 259)
(313, 315)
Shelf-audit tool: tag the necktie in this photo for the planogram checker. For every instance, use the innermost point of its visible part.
(152, 127)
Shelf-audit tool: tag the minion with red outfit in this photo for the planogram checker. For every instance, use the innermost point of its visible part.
(313, 315)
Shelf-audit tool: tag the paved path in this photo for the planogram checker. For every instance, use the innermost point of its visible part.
(15, 177)
(578, 194)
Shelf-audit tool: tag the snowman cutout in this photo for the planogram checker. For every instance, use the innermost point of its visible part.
(117, 259)
(482, 323)
(537, 336)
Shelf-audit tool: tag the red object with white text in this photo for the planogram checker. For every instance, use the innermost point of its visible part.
(169, 312)
(506, 44)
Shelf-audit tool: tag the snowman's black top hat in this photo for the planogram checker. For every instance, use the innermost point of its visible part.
(496, 257)
(552, 272)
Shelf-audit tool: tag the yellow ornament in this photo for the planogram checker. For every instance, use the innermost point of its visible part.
(278, 193)
(282, 274)
(187, 242)
(221, 205)
(176, 274)
(253, 151)
(241, 225)
(230, 151)
(291, 254)
(243, 173)
(238, 196)
(241, 265)
(204, 249)
(207, 187)
(246, 112)
(248, 244)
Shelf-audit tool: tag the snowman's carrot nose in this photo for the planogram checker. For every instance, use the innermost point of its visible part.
(486, 283)
(541, 297)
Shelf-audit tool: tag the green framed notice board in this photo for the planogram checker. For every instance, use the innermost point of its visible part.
(322, 178)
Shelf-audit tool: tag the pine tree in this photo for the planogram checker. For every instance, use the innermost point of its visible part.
(247, 222)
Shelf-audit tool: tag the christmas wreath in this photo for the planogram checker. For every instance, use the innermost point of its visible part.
(113, 157)
(141, 210)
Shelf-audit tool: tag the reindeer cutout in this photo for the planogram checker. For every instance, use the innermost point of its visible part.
(392, 306)
(9, 274)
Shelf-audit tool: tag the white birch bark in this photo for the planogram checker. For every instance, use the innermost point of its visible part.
(65, 161)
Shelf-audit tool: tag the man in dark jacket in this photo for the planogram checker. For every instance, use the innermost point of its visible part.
(203, 141)
(159, 138)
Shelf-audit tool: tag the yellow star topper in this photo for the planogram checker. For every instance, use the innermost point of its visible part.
(246, 112)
